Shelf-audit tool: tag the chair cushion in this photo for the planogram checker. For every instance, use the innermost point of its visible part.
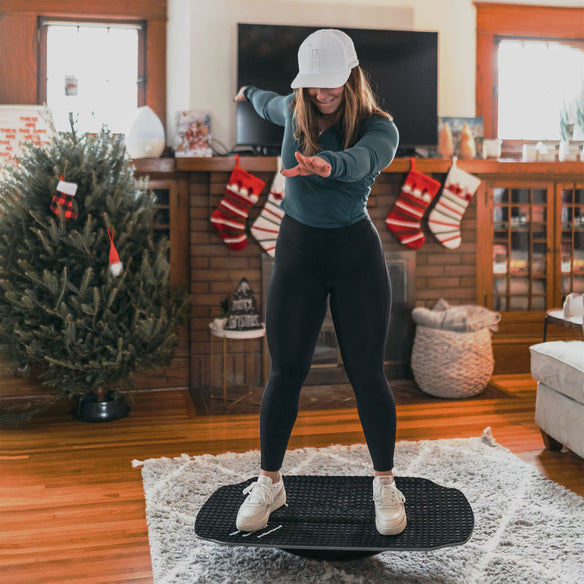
(560, 365)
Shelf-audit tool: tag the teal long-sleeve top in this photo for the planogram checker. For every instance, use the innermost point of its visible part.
(341, 198)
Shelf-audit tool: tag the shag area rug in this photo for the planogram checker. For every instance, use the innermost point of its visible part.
(527, 530)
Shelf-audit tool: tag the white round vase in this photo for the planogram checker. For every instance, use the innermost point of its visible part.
(145, 138)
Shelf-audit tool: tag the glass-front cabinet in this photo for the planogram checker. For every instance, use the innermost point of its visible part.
(530, 253)
(532, 248)
(171, 222)
(521, 238)
(570, 244)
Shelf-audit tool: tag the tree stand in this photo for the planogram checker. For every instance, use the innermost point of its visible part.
(88, 409)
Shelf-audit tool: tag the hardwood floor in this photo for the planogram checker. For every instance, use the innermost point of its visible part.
(73, 507)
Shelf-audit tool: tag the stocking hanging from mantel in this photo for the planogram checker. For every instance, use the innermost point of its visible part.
(241, 194)
(404, 220)
(444, 219)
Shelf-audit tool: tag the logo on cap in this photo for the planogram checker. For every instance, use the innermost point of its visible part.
(315, 58)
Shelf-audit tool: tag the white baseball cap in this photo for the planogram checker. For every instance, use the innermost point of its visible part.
(325, 59)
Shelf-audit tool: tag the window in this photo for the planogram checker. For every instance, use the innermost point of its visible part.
(539, 80)
(93, 70)
(529, 67)
(23, 76)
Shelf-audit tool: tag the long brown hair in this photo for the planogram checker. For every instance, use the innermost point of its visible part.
(358, 103)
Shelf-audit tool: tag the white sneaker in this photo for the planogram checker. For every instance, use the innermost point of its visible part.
(390, 513)
(263, 498)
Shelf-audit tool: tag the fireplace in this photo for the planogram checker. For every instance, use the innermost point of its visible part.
(327, 365)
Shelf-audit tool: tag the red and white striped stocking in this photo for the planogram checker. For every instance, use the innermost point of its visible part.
(267, 226)
(241, 194)
(444, 219)
(404, 220)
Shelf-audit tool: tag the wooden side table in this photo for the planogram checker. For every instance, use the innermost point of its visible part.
(234, 335)
(556, 316)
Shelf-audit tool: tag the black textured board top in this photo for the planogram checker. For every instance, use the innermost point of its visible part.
(338, 513)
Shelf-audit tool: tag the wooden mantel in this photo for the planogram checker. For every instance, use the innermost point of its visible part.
(399, 165)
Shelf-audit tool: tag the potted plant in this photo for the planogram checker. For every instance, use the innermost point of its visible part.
(85, 298)
(220, 319)
(580, 116)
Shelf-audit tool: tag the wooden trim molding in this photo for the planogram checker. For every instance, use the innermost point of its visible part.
(19, 40)
(530, 21)
(512, 20)
(18, 58)
(133, 9)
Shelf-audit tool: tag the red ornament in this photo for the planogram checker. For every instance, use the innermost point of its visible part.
(62, 203)
(115, 265)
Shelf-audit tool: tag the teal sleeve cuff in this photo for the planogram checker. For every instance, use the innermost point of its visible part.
(247, 91)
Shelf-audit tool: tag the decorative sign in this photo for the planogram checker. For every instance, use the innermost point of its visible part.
(19, 123)
(244, 313)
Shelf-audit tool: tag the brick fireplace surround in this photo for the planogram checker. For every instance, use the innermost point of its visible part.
(202, 263)
(215, 270)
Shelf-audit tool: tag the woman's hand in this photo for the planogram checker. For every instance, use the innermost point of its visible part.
(240, 96)
(309, 165)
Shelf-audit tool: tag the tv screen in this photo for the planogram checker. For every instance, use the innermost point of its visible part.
(402, 67)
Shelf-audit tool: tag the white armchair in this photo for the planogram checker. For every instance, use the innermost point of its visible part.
(558, 368)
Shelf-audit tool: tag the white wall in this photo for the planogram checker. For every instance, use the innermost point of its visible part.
(179, 59)
(201, 61)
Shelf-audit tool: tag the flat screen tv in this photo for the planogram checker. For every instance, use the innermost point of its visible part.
(402, 66)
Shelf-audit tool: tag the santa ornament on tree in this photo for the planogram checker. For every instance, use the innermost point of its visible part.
(115, 265)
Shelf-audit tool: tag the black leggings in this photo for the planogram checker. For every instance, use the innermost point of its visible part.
(311, 264)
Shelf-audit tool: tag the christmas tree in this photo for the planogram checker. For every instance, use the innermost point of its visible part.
(84, 287)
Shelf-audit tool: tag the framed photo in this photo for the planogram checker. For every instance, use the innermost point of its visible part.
(193, 135)
(456, 124)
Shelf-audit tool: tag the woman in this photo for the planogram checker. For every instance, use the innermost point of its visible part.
(336, 142)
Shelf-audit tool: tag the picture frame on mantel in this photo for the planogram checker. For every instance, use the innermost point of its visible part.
(456, 123)
(193, 134)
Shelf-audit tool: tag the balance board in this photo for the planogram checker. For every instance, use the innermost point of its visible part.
(333, 518)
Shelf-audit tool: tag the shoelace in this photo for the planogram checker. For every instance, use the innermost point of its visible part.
(259, 493)
(396, 497)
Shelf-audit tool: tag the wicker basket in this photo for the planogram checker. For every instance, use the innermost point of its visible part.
(452, 364)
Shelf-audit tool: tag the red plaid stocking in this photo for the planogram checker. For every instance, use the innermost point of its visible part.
(62, 202)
